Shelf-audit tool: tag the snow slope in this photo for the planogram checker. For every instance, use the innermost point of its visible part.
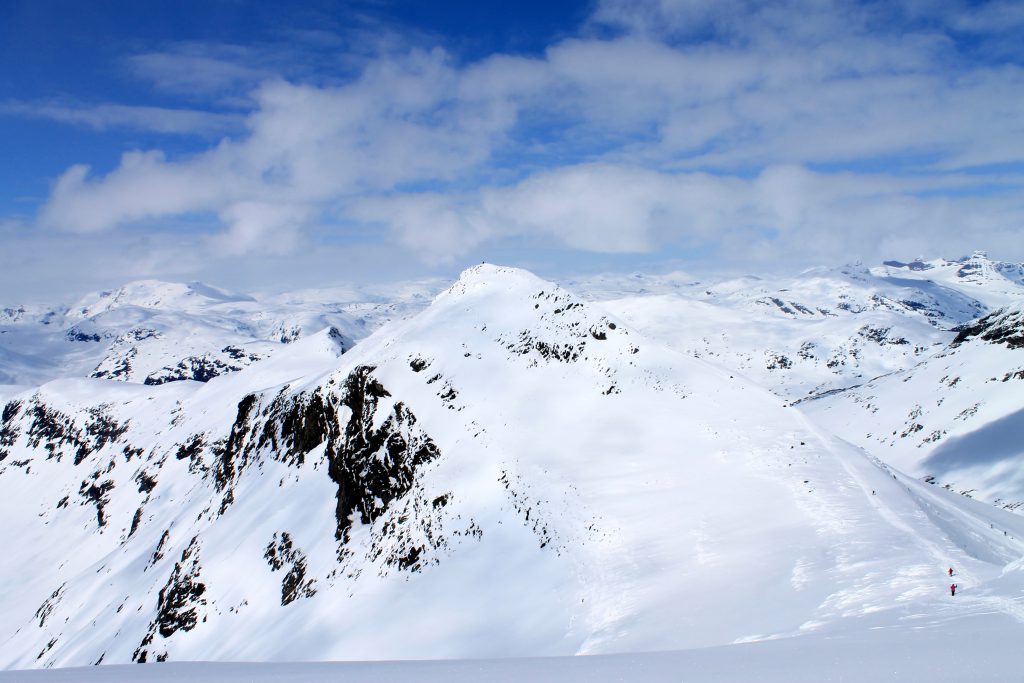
(980, 647)
(956, 418)
(823, 330)
(512, 472)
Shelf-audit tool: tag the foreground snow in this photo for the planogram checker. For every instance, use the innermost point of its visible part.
(977, 647)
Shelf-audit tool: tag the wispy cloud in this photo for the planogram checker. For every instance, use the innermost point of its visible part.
(110, 116)
(781, 212)
(202, 69)
(789, 130)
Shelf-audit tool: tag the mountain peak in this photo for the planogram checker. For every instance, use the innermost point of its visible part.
(488, 276)
(152, 294)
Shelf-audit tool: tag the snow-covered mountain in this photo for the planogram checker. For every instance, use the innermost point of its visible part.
(823, 330)
(154, 332)
(512, 471)
(956, 418)
(993, 283)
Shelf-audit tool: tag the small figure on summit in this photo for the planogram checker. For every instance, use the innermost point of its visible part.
(951, 571)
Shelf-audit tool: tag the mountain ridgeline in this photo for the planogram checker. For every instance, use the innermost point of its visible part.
(508, 469)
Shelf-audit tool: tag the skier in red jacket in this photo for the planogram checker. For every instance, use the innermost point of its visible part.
(952, 589)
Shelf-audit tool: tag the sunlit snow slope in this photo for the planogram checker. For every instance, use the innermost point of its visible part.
(825, 329)
(956, 418)
(511, 472)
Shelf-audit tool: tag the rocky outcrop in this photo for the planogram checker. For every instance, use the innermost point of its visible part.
(179, 602)
(1004, 326)
(281, 554)
(205, 367)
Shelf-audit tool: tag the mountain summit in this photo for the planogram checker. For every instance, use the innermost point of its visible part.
(513, 471)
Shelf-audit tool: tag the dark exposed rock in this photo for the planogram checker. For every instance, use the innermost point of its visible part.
(97, 493)
(119, 368)
(549, 351)
(179, 601)
(280, 553)
(145, 481)
(310, 420)
(136, 520)
(777, 361)
(158, 554)
(781, 305)
(414, 531)
(203, 368)
(224, 465)
(880, 335)
(913, 265)
(371, 466)
(530, 509)
(55, 431)
(9, 431)
(49, 646)
(191, 448)
(50, 604)
(235, 353)
(1004, 326)
(76, 335)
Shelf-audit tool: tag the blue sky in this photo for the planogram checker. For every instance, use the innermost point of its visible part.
(263, 146)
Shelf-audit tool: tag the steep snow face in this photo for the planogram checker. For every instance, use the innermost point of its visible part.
(513, 471)
(955, 419)
(824, 330)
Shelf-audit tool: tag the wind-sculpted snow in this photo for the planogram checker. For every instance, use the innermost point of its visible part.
(513, 471)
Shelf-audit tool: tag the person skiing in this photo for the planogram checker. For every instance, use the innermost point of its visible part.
(952, 589)
(951, 571)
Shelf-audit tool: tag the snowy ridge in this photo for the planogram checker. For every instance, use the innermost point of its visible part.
(512, 472)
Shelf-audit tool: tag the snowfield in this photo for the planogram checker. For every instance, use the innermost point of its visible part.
(693, 482)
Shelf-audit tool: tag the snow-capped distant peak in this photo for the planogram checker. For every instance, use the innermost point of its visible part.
(993, 283)
(152, 294)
